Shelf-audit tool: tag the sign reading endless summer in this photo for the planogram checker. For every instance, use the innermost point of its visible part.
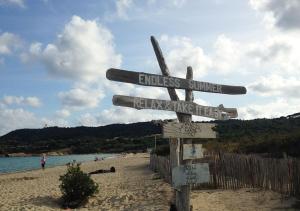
(146, 79)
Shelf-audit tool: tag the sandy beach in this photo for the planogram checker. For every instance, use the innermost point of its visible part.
(133, 187)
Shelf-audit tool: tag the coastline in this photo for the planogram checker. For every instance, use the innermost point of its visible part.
(59, 164)
(131, 187)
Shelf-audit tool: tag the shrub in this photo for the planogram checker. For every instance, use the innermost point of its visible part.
(76, 186)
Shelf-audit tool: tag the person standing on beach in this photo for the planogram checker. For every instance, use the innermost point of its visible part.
(43, 161)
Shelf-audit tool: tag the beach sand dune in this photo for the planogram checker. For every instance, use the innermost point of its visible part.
(132, 187)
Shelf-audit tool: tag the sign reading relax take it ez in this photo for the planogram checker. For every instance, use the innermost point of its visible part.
(179, 106)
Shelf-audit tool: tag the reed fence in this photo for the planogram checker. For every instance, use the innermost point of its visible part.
(161, 165)
(233, 171)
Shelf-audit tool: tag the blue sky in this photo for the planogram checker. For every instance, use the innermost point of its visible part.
(54, 55)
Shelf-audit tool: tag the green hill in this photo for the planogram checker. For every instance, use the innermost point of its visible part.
(272, 137)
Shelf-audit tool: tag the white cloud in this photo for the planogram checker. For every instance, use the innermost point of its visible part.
(20, 100)
(129, 115)
(273, 109)
(88, 120)
(277, 54)
(123, 115)
(121, 8)
(82, 52)
(63, 113)
(275, 85)
(19, 3)
(12, 119)
(55, 121)
(283, 14)
(181, 53)
(227, 55)
(8, 43)
(79, 98)
(138, 10)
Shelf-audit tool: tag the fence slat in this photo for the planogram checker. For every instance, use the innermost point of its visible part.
(232, 171)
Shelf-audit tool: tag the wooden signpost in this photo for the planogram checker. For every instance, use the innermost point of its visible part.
(189, 130)
(190, 174)
(192, 151)
(179, 106)
(183, 172)
(146, 79)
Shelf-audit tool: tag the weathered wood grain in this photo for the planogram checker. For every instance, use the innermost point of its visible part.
(146, 79)
(189, 130)
(182, 197)
(183, 107)
(190, 174)
(192, 151)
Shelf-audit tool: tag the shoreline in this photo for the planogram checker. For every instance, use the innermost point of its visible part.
(16, 155)
(132, 187)
(53, 166)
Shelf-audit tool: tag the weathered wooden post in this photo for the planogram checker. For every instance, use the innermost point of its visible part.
(175, 143)
(183, 201)
(184, 173)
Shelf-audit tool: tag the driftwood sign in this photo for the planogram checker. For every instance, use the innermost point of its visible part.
(147, 79)
(192, 151)
(182, 175)
(190, 174)
(185, 107)
(189, 130)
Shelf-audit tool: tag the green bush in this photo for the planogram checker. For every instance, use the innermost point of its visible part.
(76, 186)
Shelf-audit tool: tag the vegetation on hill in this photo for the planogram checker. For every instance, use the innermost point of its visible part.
(81, 140)
(273, 137)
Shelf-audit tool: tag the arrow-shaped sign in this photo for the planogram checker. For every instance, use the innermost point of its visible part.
(147, 79)
(180, 106)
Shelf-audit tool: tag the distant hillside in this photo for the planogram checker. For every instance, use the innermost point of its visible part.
(105, 132)
(110, 138)
(268, 136)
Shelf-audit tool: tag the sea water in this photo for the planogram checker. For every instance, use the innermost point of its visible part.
(16, 164)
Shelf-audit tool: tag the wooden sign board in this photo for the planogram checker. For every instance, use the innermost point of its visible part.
(190, 174)
(192, 151)
(147, 79)
(189, 130)
(220, 112)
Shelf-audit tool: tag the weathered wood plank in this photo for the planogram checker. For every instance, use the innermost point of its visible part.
(190, 174)
(192, 151)
(189, 130)
(146, 79)
(184, 107)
